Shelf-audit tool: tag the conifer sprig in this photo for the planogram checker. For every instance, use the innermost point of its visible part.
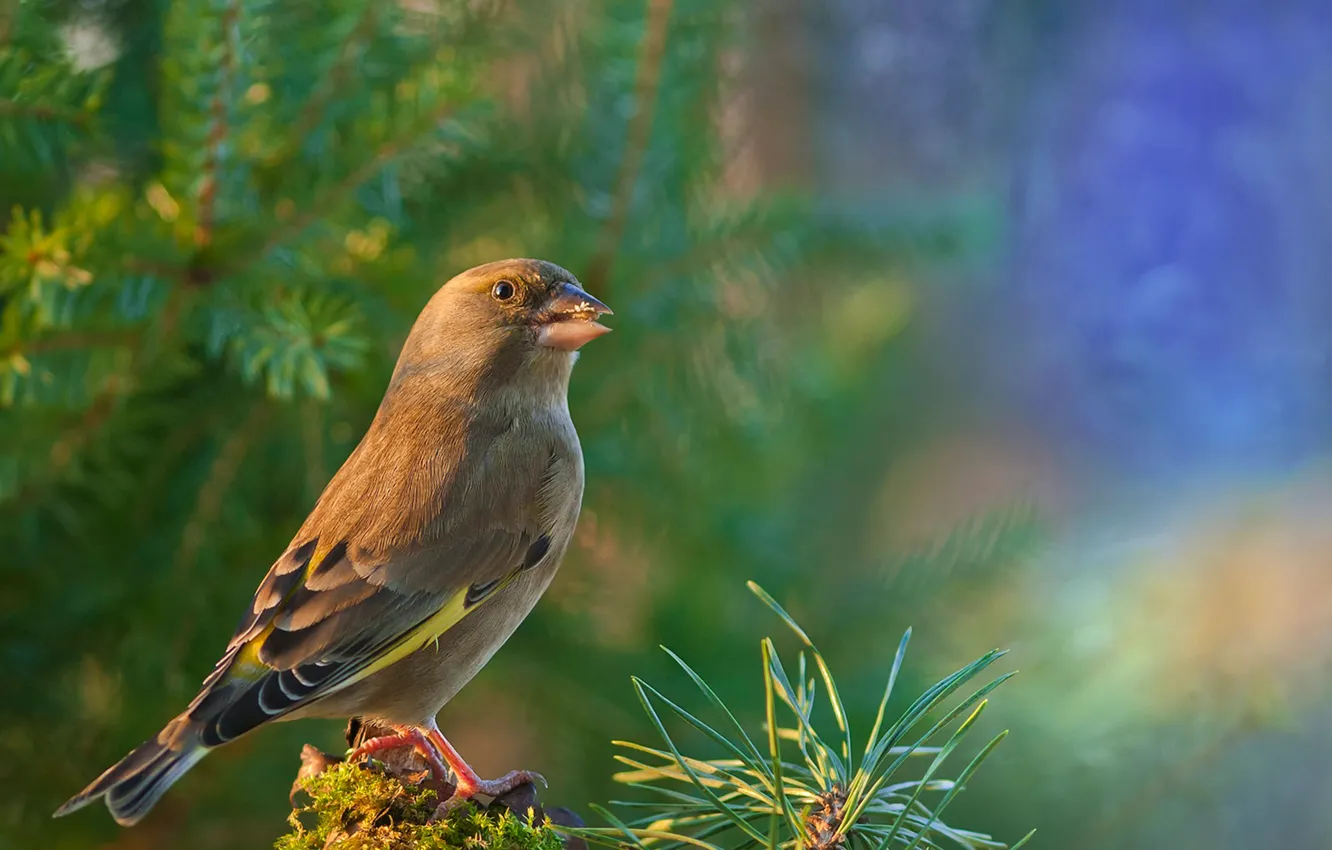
(826, 793)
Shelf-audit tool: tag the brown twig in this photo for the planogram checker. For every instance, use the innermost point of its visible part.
(639, 133)
(217, 132)
(45, 112)
(69, 341)
(64, 449)
(8, 14)
(148, 267)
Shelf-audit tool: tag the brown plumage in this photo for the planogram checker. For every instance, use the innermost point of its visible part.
(425, 551)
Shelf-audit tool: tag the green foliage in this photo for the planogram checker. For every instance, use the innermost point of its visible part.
(368, 810)
(831, 795)
(46, 108)
(219, 238)
(297, 338)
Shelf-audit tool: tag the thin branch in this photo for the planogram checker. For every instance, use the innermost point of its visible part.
(639, 134)
(45, 112)
(84, 339)
(187, 275)
(64, 449)
(217, 133)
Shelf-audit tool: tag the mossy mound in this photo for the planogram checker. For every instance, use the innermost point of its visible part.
(359, 807)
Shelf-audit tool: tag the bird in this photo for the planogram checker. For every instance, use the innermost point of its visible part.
(424, 552)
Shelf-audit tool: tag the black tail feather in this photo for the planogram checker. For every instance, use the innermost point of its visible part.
(135, 783)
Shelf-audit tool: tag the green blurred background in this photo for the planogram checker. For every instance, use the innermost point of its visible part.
(1004, 320)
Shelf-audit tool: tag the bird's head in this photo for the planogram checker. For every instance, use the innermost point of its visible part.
(510, 321)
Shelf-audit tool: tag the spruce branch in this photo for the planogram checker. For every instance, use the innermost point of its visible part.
(296, 340)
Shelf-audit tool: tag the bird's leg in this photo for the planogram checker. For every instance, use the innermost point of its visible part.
(407, 736)
(467, 783)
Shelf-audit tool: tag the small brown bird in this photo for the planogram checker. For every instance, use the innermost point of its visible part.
(426, 550)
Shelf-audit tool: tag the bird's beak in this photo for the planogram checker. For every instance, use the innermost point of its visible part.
(570, 319)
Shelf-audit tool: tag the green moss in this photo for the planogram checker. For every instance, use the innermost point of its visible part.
(364, 809)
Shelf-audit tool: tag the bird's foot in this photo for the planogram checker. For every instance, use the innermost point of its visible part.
(405, 737)
(471, 785)
(499, 787)
(467, 784)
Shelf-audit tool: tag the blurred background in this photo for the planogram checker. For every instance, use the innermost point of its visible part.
(1007, 321)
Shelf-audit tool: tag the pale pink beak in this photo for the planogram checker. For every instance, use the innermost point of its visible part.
(572, 320)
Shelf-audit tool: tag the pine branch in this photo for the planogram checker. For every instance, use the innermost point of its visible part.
(638, 136)
(813, 788)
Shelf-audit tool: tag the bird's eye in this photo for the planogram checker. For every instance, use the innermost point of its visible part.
(503, 290)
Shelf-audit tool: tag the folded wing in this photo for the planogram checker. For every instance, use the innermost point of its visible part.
(328, 615)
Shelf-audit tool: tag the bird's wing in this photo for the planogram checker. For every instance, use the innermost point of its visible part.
(328, 615)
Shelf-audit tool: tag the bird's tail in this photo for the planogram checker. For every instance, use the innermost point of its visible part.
(135, 783)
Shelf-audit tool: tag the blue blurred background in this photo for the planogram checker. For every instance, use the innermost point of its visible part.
(1144, 353)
